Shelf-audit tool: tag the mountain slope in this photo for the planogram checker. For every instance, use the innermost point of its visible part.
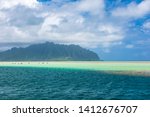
(47, 52)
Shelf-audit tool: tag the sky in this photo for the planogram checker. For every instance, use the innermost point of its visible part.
(114, 29)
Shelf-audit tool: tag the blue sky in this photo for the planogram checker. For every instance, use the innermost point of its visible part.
(115, 29)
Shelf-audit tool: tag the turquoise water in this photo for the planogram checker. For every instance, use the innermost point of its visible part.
(52, 84)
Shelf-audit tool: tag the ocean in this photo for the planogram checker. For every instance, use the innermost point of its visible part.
(29, 83)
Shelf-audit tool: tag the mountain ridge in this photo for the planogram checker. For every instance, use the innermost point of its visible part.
(49, 51)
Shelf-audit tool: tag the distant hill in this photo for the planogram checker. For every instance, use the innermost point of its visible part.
(47, 52)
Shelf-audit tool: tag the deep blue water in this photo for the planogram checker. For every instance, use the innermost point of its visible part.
(52, 84)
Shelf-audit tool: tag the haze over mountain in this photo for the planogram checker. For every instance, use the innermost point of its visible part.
(47, 52)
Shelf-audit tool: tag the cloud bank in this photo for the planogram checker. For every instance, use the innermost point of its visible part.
(83, 22)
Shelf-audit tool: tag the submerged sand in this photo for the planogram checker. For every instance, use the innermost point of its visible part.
(132, 68)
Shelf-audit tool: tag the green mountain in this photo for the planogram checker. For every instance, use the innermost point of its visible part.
(48, 52)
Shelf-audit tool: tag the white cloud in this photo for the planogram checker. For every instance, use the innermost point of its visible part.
(109, 29)
(92, 6)
(12, 34)
(110, 34)
(2, 16)
(69, 26)
(133, 10)
(7, 4)
(73, 28)
(146, 25)
(23, 21)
